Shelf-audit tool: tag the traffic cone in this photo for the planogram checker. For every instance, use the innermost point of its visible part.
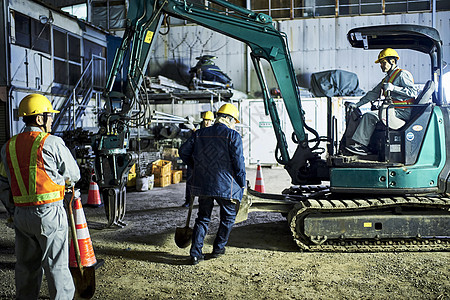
(94, 199)
(259, 183)
(87, 255)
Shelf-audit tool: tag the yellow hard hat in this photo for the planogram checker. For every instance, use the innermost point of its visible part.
(208, 115)
(229, 109)
(35, 104)
(388, 52)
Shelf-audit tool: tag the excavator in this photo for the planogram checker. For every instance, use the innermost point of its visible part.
(394, 200)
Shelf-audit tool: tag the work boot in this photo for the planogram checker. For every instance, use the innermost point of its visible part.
(217, 253)
(195, 260)
(358, 149)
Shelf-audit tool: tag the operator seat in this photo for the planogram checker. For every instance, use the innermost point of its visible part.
(424, 97)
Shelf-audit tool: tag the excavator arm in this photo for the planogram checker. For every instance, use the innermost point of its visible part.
(255, 30)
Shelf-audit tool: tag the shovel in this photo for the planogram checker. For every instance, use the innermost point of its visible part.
(83, 277)
(183, 235)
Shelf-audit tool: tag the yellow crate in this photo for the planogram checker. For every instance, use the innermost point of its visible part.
(162, 181)
(176, 176)
(161, 167)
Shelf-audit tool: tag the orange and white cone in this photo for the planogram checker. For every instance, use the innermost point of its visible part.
(87, 255)
(259, 183)
(94, 199)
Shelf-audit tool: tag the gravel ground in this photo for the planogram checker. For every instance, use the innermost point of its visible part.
(262, 261)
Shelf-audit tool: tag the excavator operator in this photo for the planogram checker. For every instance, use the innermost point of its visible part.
(400, 84)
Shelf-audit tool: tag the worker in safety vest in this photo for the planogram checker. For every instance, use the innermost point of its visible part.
(35, 169)
(208, 119)
(400, 84)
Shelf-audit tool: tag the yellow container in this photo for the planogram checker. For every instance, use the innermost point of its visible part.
(176, 176)
(161, 167)
(162, 181)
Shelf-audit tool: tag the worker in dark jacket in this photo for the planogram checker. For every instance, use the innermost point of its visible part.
(218, 173)
(208, 118)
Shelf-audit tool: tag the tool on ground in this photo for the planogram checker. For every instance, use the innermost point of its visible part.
(183, 235)
(94, 199)
(259, 183)
(83, 276)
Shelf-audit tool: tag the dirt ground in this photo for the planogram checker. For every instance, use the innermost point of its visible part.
(261, 262)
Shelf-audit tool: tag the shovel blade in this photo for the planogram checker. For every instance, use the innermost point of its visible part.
(84, 281)
(183, 236)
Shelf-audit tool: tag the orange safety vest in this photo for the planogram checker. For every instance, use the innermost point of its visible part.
(399, 102)
(26, 164)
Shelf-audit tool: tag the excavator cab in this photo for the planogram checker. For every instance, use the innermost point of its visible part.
(416, 148)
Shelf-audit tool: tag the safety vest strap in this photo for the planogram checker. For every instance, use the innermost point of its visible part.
(15, 165)
(394, 75)
(33, 163)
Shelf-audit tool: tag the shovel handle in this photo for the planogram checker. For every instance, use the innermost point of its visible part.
(191, 204)
(74, 232)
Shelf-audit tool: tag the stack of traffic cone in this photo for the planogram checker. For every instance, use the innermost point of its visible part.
(94, 199)
(259, 183)
(87, 255)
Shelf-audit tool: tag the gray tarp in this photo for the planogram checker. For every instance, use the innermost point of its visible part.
(335, 83)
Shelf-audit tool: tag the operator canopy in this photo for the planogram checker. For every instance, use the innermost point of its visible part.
(415, 37)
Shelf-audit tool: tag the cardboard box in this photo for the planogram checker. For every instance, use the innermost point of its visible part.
(161, 168)
(163, 180)
(176, 176)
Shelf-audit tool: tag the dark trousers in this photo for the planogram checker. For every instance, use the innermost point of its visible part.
(227, 217)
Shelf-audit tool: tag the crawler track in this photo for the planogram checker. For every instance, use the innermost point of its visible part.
(329, 206)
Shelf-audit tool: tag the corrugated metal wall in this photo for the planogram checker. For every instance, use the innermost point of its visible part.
(316, 45)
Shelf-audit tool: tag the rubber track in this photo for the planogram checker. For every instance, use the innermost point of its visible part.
(302, 209)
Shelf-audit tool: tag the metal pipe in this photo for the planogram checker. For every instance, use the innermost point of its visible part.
(433, 14)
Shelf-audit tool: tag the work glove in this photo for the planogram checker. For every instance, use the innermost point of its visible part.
(351, 105)
(388, 87)
(189, 126)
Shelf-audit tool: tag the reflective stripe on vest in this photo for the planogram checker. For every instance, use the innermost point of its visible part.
(404, 102)
(392, 78)
(41, 189)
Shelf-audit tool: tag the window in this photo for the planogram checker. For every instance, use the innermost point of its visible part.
(317, 8)
(93, 51)
(31, 33)
(22, 30)
(40, 36)
(78, 10)
(67, 57)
